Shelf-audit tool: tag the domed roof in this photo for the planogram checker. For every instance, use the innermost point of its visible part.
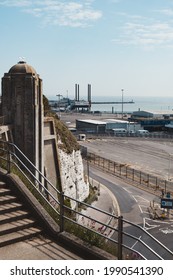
(22, 68)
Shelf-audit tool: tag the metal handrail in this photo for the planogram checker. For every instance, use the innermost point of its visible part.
(11, 157)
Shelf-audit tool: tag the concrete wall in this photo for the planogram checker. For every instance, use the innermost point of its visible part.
(51, 163)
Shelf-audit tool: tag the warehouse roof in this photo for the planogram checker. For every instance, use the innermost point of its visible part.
(92, 121)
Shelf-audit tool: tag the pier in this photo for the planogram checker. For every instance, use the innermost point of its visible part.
(78, 104)
(113, 102)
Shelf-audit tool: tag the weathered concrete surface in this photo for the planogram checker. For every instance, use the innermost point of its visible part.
(38, 248)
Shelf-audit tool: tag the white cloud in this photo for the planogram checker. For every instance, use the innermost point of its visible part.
(15, 3)
(145, 32)
(167, 12)
(54, 12)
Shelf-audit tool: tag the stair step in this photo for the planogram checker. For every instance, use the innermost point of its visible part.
(10, 207)
(7, 199)
(16, 226)
(16, 223)
(13, 216)
(19, 235)
(2, 184)
(4, 191)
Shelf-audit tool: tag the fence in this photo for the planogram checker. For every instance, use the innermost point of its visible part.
(123, 170)
(120, 238)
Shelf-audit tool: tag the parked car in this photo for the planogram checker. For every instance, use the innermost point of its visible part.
(142, 132)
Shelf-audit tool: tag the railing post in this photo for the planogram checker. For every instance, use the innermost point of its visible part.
(148, 181)
(61, 211)
(120, 238)
(8, 159)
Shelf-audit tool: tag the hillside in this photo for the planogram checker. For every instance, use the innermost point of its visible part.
(66, 140)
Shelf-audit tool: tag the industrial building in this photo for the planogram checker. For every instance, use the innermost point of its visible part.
(112, 124)
(106, 126)
(152, 121)
(152, 114)
(91, 126)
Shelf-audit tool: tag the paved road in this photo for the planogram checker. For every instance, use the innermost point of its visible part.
(134, 204)
(151, 156)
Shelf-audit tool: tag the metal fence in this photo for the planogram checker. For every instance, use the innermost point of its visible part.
(146, 180)
(151, 135)
(115, 235)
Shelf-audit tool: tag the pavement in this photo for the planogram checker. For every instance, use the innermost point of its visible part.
(106, 202)
(38, 248)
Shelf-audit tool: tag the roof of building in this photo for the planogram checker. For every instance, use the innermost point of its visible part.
(154, 113)
(115, 121)
(22, 68)
(92, 121)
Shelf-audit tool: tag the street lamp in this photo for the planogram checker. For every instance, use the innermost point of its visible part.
(122, 101)
(169, 167)
(59, 95)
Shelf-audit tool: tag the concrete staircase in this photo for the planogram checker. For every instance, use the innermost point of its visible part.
(23, 237)
(16, 222)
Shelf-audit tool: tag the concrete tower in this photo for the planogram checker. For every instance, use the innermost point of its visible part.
(22, 104)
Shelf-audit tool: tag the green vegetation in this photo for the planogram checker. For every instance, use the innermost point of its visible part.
(66, 140)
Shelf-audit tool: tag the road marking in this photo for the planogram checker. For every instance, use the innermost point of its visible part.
(150, 226)
(127, 190)
(136, 242)
(143, 211)
(140, 208)
(140, 198)
(166, 230)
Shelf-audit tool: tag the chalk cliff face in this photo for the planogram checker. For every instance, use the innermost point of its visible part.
(72, 176)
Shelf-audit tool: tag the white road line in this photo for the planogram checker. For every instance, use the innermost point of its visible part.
(140, 208)
(135, 243)
(148, 226)
(126, 190)
(138, 197)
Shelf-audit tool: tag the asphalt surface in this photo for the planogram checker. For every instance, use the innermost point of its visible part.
(134, 207)
(151, 156)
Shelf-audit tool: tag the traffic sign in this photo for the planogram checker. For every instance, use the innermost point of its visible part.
(167, 203)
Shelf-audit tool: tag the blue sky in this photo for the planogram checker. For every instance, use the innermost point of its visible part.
(110, 44)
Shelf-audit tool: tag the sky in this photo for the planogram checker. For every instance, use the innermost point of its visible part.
(110, 44)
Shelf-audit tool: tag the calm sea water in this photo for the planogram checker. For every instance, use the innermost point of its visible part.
(160, 104)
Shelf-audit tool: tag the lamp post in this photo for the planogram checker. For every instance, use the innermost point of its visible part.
(122, 101)
(59, 95)
(169, 167)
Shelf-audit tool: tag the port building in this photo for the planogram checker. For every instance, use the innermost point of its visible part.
(152, 120)
(106, 126)
(91, 126)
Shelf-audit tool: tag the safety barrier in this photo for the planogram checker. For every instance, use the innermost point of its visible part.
(147, 180)
(119, 238)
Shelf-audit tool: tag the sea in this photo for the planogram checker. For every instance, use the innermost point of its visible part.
(154, 104)
(147, 103)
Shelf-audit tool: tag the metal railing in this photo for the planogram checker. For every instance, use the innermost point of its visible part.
(152, 135)
(117, 234)
(139, 177)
